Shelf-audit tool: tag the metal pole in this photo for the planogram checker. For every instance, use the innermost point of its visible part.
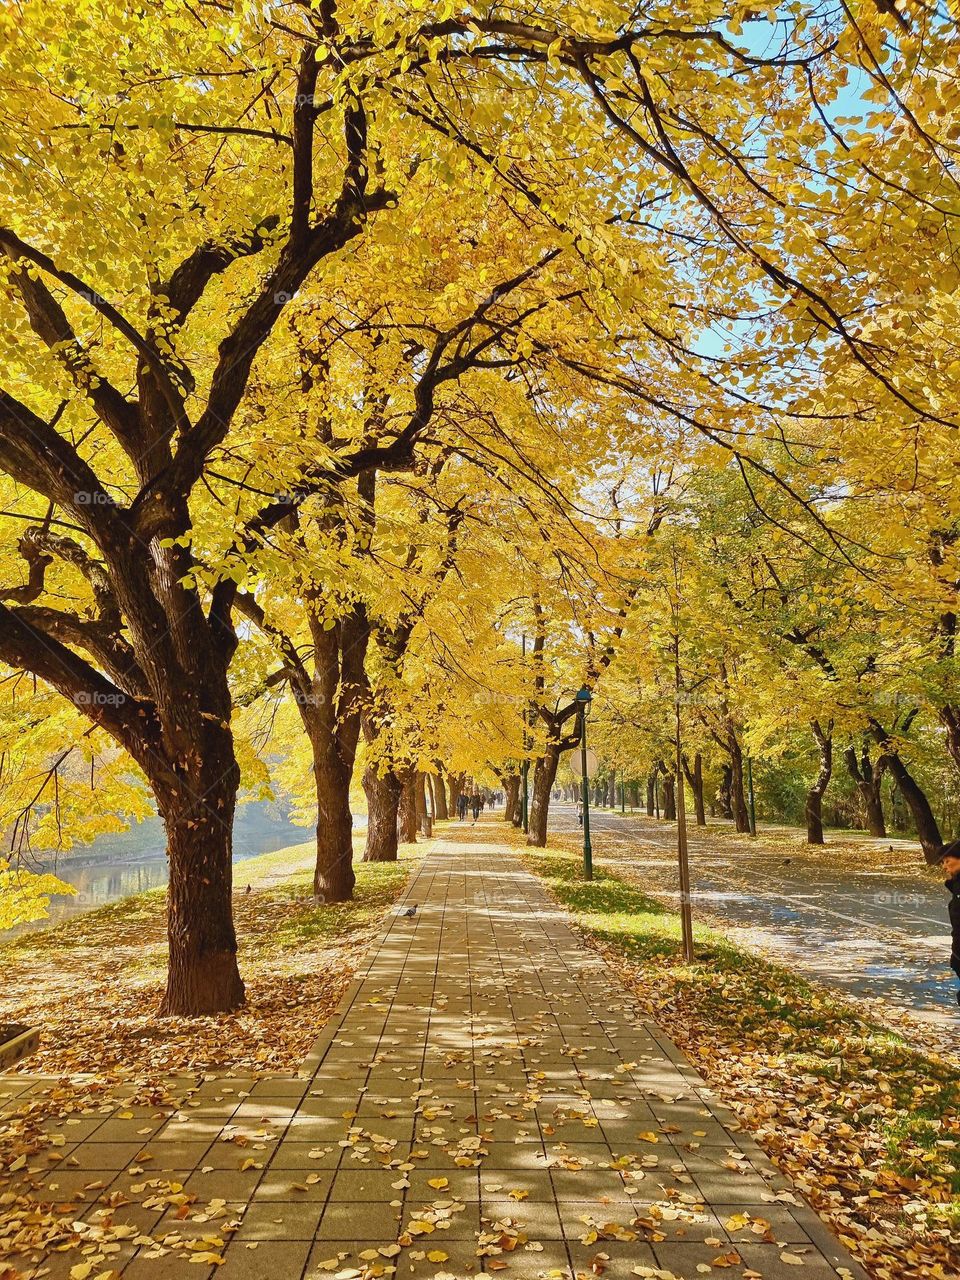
(585, 791)
(753, 807)
(525, 770)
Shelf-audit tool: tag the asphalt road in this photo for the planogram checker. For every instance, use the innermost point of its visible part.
(873, 926)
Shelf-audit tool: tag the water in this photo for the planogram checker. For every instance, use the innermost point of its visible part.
(120, 864)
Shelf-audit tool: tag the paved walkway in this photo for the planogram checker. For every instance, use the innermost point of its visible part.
(486, 1100)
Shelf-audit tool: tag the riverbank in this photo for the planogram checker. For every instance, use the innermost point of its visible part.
(122, 864)
(94, 983)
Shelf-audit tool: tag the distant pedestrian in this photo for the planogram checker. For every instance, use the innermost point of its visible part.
(462, 805)
(949, 861)
(579, 813)
(475, 805)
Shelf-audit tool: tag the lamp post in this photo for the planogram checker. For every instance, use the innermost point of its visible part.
(525, 767)
(583, 699)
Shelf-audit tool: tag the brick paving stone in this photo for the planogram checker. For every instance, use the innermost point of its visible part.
(481, 1043)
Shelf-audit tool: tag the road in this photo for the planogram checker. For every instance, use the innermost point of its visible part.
(860, 915)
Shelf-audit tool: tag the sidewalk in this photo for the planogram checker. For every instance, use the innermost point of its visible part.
(485, 1100)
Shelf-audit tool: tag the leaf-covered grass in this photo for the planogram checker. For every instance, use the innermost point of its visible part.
(868, 1121)
(93, 983)
(378, 885)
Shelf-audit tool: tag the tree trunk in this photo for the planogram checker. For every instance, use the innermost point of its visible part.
(511, 790)
(454, 790)
(383, 803)
(814, 802)
(868, 777)
(440, 798)
(431, 794)
(420, 798)
(694, 778)
(725, 792)
(544, 775)
(333, 877)
(928, 831)
(669, 796)
(408, 809)
(651, 793)
(950, 719)
(738, 801)
(202, 973)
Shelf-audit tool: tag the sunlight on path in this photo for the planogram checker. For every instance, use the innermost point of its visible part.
(485, 1100)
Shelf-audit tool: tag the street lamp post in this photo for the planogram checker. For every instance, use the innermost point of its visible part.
(584, 698)
(525, 767)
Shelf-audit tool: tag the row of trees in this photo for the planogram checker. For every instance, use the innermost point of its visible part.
(346, 348)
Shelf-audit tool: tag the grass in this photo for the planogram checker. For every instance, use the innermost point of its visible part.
(886, 1117)
(378, 885)
(280, 876)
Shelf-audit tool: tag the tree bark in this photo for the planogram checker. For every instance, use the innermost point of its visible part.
(868, 777)
(738, 801)
(694, 778)
(383, 804)
(454, 791)
(420, 800)
(928, 830)
(669, 794)
(814, 803)
(440, 797)
(651, 793)
(202, 972)
(544, 775)
(511, 790)
(725, 792)
(333, 877)
(408, 809)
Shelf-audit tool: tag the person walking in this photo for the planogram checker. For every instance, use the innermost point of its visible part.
(462, 805)
(579, 812)
(949, 862)
(475, 805)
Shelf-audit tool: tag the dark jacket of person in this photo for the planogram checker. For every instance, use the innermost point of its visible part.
(953, 887)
